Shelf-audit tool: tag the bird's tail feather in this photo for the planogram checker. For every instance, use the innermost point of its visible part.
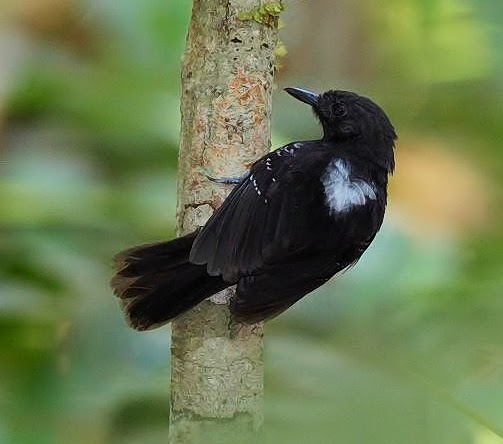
(156, 282)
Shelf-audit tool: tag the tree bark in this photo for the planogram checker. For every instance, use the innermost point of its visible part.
(227, 75)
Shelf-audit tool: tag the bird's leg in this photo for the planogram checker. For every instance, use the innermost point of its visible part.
(228, 180)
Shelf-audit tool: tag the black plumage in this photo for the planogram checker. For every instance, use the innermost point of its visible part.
(300, 215)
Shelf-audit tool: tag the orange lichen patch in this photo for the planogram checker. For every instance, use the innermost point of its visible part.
(435, 190)
(237, 119)
(248, 88)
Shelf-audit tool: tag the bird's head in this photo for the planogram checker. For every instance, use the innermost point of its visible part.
(346, 116)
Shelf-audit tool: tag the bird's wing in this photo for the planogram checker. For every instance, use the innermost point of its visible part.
(266, 217)
(265, 295)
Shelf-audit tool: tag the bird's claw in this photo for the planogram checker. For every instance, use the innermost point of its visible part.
(226, 180)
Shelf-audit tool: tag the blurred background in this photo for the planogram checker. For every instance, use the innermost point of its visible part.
(406, 348)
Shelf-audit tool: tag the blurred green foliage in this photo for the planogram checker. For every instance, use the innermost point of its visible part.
(407, 347)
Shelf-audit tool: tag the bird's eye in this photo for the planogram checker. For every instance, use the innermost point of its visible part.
(340, 110)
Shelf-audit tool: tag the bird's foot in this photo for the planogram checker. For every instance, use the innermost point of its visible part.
(227, 180)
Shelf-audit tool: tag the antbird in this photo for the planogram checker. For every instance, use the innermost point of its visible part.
(302, 213)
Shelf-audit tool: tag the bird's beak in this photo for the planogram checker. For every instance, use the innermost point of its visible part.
(303, 95)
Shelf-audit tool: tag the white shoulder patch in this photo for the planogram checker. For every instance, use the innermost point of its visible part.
(341, 191)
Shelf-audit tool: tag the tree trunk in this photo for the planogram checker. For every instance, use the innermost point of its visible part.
(227, 75)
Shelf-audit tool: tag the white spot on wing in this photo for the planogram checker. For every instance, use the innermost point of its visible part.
(268, 164)
(343, 192)
(255, 186)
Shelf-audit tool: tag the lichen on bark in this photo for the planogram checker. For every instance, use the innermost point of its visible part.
(227, 78)
(266, 14)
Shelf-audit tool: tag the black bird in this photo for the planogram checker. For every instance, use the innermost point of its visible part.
(300, 215)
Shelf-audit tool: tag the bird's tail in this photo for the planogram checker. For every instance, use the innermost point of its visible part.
(156, 282)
